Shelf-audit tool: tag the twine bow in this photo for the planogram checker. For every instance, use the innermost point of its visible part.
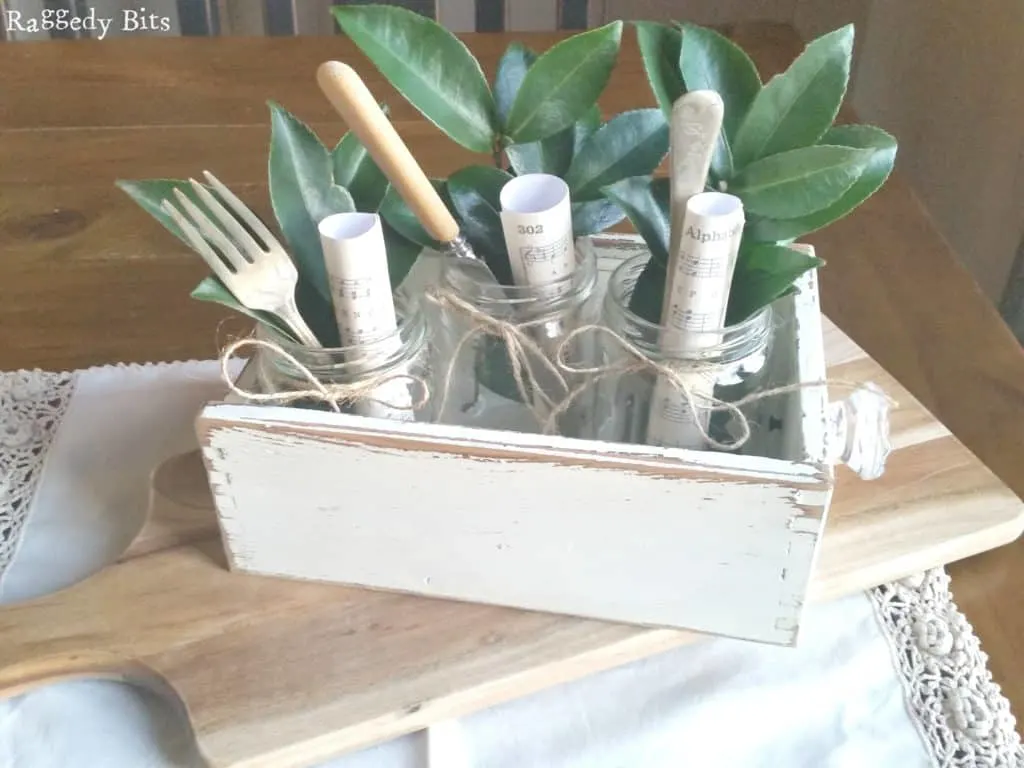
(677, 374)
(331, 394)
(520, 347)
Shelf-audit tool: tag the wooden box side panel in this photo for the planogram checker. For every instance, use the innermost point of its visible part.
(810, 405)
(636, 537)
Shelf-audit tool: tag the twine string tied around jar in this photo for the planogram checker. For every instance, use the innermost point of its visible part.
(676, 374)
(363, 389)
(521, 349)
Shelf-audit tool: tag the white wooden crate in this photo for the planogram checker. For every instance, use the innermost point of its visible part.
(714, 542)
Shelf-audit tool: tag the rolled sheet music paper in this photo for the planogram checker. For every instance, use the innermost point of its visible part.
(696, 303)
(536, 217)
(694, 128)
(357, 267)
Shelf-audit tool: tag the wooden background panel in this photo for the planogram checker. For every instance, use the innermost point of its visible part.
(199, 81)
(236, 154)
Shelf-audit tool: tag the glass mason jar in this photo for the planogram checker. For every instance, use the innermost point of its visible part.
(482, 386)
(643, 407)
(404, 354)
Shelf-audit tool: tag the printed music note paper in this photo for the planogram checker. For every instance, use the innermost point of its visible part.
(357, 267)
(695, 311)
(536, 217)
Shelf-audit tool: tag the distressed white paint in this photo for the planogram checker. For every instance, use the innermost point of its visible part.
(810, 355)
(472, 439)
(714, 542)
(695, 551)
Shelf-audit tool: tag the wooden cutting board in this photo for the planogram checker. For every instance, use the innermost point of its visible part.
(284, 674)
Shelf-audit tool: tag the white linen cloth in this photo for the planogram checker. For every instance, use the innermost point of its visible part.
(836, 701)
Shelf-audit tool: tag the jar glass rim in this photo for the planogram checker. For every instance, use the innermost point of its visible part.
(576, 286)
(648, 336)
(373, 355)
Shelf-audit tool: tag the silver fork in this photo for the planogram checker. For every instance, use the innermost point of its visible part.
(261, 277)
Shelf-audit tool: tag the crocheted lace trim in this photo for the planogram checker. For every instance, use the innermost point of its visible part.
(32, 404)
(961, 713)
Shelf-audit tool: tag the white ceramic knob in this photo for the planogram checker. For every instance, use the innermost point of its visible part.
(859, 432)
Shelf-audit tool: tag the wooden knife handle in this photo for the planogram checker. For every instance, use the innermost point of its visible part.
(352, 99)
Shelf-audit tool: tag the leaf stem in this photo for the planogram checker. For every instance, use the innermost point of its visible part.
(498, 153)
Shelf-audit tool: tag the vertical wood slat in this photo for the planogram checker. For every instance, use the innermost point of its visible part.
(115, 9)
(490, 15)
(279, 19)
(457, 15)
(531, 15)
(573, 14)
(198, 18)
(242, 18)
(104, 9)
(707, 12)
(69, 6)
(313, 17)
(428, 8)
(29, 9)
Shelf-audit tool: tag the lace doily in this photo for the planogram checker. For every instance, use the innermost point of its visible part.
(32, 404)
(962, 715)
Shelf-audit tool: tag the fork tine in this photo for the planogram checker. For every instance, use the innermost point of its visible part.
(220, 269)
(210, 232)
(241, 237)
(242, 211)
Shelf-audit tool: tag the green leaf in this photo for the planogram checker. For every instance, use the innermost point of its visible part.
(798, 182)
(355, 170)
(429, 66)
(551, 155)
(512, 68)
(710, 61)
(402, 254)
(595, 216)
(795, 108)
(401, 218)
(564, 83)
(211, 289)
(764, 272)
(584, 128)
(649, 292)
(875, 171)
(555, 153)
(630, 144)
(646, 203)
(475, 195)
(659, 48)
(493, 368)
(303, 193)
(150, 193)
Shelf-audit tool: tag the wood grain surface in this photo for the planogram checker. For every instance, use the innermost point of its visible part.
(283, 674)
(87, 278)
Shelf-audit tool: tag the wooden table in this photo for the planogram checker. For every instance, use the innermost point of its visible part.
(87, 278)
